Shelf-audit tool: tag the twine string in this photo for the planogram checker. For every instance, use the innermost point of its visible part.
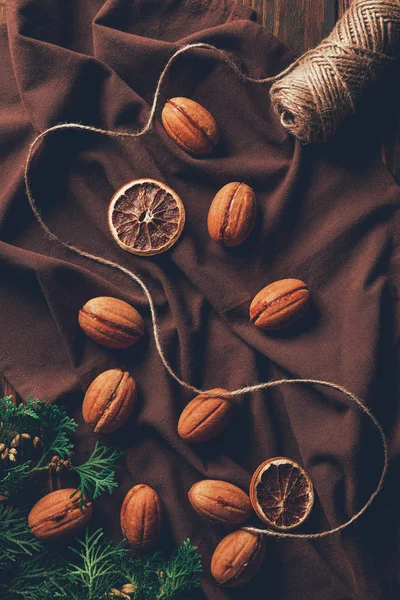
(104, 261)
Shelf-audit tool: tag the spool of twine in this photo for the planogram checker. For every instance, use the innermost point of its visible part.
(325, 84)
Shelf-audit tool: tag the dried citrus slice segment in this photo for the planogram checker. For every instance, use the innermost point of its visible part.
(281, 493)
(146, 217)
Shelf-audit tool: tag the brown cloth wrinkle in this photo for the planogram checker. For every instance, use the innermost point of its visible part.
(327, 215)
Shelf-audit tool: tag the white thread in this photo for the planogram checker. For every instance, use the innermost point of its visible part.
(131, 275)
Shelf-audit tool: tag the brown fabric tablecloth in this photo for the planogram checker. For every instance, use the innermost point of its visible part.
(327, 215)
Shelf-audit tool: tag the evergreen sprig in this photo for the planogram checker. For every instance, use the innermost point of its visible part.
(180, 573)
(14, 479)
(17, 419)
(40, 435)
(98, 569)
(46, 424)
(94, 572)
(51, 425)
(37, 418)
(16, 540)
(58, 428)
(97, 474)
(158, 579)
(30, 579)
(143, 575)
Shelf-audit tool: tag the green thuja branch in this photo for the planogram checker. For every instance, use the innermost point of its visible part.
(101, 570)
(97, 474)
(47, 422)
(94, 570)
(30, 434)
(180, 573)
(36, 419)
(17, 419)
(30, 580)
(36, 438)
(14, 479)
(16, 540)
(142, 573)
(155, 578)
(40, 435)
(58, 429)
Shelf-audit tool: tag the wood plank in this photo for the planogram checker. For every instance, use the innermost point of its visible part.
(300, 24)
(6, 389)
(3, 13)
(343, 5)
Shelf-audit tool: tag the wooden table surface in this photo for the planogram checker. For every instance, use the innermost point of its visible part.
(300, 24)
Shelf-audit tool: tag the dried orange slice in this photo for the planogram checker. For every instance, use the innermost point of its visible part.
(281, 493)
(146, 217)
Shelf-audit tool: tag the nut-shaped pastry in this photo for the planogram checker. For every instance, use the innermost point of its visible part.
(237, 558)
(220, 502)
(280, 304)
(111, 322)
(57, 515)
(190, 125)
(109, 401)
(204, 417)
(232, 214)
(141, 516)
